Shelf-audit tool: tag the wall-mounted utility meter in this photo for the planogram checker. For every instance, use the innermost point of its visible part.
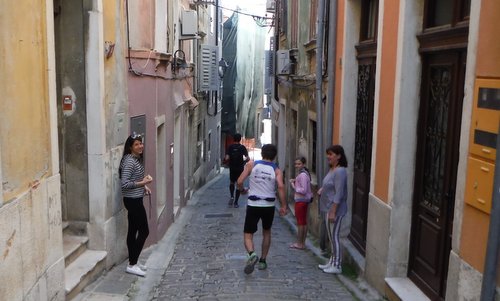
(482, 153)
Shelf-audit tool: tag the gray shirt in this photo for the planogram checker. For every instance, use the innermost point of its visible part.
(334, 191)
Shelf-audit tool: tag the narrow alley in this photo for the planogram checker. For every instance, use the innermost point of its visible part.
(202, 258)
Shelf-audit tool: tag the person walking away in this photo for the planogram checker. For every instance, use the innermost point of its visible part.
(302, 197)
(333, 204)
(236, 156)
(264, 178)
(133, 186)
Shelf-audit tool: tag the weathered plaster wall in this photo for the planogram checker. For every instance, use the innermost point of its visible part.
(31, 244)
(25, 103)
(402, 165)
(30, 207)
(107, 99)
(142, 16)
(70, 22)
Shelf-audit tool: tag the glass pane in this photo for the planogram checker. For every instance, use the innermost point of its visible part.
(372, 19)
(489, 98)
(465, 9)
(363, 122)
(435, 137)
(441, 12)
(485, 138)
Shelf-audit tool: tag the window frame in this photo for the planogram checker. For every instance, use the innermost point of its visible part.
(460, 14)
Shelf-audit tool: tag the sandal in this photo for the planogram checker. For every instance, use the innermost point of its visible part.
(296, 247)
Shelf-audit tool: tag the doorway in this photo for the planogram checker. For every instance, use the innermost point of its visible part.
(367, 57)
(443, 44)
(436, 169)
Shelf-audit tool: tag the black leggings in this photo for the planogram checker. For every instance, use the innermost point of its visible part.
(138, 229)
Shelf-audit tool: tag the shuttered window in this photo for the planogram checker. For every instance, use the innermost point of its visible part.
(208, 71)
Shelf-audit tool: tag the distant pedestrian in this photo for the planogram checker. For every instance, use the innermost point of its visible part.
(236, 157)
(264, 178)
(302, 197)
(333, 204)
(133, 186)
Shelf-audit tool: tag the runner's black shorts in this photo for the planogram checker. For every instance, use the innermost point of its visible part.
(234, 173)
(254, 214)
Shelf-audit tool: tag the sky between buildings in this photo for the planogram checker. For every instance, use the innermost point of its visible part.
(254, 7)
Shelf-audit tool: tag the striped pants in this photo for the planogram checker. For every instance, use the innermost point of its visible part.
(333, 231)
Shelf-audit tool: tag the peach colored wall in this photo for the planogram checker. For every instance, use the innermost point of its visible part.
(475, 225)
(488, 61)
(387, 67)
(474, 236)
(338, 72)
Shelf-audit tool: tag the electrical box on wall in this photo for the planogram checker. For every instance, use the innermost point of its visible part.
(270, 6)
(189, 25)
(283, 64)
(483, 139)
(67, 103)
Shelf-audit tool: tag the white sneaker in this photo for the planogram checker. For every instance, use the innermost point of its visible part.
(324, 266)
(142, 267)
(136, 270)
(333, 270)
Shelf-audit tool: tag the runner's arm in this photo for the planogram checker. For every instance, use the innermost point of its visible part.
(246, 172)
(281, 189)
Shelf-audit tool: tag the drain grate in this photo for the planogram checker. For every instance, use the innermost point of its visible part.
(212, 215)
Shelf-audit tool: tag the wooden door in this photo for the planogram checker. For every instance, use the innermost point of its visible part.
(362, 152)
(367, 57)
(436, 169)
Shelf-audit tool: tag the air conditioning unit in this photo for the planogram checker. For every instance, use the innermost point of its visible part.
(189, 26)
(284, 65)
(271, 6)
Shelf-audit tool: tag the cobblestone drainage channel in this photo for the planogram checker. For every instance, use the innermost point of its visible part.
(214, 215)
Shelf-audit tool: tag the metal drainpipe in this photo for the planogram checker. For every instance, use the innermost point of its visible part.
(488, 286)
(217, 24)
(332, 60)
(319, 92)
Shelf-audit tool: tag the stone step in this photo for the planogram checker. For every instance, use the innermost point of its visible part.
(403, 289)
(74, 228)
(73, 246)
(83, 271)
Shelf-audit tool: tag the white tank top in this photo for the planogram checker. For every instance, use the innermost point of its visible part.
(262, 182)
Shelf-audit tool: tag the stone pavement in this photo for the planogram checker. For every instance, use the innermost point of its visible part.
(201, 257)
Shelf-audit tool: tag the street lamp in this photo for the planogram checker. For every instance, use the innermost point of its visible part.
(179, 61)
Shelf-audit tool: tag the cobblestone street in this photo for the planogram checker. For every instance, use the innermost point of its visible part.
(209, 258)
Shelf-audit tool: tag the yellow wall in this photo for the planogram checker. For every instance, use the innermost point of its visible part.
(475, 224)
(109, 20)
(24, 107)
(387, 67)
